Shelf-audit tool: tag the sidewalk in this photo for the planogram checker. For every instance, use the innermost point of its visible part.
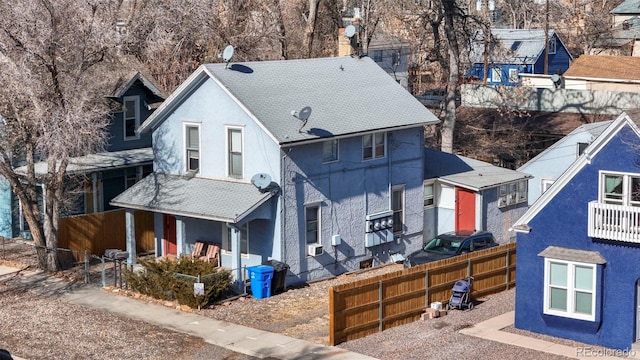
(238, 338)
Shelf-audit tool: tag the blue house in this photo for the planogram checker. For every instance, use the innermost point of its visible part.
(516, 51)
(467, 194)
(317, 163)
(578, 247)
(97, 178)
(547, 166)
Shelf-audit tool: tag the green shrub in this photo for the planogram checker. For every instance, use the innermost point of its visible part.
(165, 280)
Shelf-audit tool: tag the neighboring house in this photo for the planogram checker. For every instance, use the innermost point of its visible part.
(467, 194)
(602, 72)
(317, 163)
(620, 40)
(128, 158)
(547, 166)
(515, 51)
(577, 247)
(625, 11)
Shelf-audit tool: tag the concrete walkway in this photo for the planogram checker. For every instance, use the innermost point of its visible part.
(238, 338)
(492, 330)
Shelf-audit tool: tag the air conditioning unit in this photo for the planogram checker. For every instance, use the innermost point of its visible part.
(314, 250)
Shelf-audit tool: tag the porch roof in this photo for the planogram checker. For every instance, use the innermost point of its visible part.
(210, 199)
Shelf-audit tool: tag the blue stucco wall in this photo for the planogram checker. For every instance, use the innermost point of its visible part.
(347, 190)
(563, 222)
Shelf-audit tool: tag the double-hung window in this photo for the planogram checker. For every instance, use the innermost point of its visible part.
(496, 75)
(330, 151)
(514, 75)
(192, 146)
(621, 189)
(131, 116)
(570, 289)
(552, 45)
(429, 194)
(312, 224)
(374, 146)
(234, 147)
(397, 205)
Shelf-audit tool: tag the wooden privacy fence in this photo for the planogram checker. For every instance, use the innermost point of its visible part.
(107, 230)
(372, 305)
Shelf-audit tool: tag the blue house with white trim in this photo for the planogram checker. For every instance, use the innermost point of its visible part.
(517, 51)
(317, 163)
(578, 247)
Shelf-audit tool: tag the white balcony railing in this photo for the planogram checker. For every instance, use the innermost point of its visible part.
(614, 222)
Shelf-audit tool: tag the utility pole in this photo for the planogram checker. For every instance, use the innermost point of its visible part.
(487, 37)
(546, 40)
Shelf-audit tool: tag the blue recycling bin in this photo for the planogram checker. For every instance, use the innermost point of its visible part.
(260, 277)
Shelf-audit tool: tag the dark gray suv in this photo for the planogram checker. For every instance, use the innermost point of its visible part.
(451, 244)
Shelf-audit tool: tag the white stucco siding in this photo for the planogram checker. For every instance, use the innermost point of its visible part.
(213, 110)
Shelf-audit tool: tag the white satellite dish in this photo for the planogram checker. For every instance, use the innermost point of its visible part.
(261, 181)
(227, 54)
(350, 31)
(305, 113)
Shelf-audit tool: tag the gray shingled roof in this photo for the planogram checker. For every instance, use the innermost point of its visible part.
(561, 253)
(346, 95)
(466, 172)
(100, 161)
(627, 7)
(193, 197)
(531, 45)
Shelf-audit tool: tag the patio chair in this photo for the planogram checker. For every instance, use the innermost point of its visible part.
(213, 252)
(197, 250)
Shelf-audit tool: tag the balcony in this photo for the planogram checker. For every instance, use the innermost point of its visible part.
(614, 222)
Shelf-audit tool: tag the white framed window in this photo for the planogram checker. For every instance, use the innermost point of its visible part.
(312, 224)
(552, 45)
(244, 240)
(192, 147)
(330, 151)
(582, 147)
(429, 194)
(513, 193)
(570, 289)
(496, 75)
(619, 188)
(397, 205)
(546, 184)
(234, 151)
(131, 116)
(374, 146)
(514, 75)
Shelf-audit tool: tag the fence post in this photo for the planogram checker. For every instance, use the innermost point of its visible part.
(426, 288)
(508, 265)
(469, 267)
(104, 280)
(380, 305)
(86, 267)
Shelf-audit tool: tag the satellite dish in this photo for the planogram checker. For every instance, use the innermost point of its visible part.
(350, 31)
(557, 80)
(227, 54)
(261, 181)
(305, 113)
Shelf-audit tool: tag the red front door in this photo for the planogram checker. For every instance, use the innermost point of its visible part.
(170, 247)
(465, 209)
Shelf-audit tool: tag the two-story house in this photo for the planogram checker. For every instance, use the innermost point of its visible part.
(317, 163)
(577, 247)
(95, 179)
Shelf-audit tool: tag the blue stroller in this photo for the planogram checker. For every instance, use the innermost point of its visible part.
(461, 296)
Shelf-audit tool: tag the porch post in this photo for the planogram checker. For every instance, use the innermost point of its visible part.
(180, 233)
(131, 236)
(236, 260)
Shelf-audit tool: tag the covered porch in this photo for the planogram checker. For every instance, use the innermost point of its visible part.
(237, 216)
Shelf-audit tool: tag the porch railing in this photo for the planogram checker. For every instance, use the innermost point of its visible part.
(614, 222)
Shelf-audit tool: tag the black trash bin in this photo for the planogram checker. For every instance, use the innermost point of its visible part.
(278, 281)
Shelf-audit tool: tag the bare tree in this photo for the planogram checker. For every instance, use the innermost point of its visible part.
(50, 101)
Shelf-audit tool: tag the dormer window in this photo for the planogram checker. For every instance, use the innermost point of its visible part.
(131, 116)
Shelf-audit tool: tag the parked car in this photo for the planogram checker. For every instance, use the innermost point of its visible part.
(451, 244)
(434, 98)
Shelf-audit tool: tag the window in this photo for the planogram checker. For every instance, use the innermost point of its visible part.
(546, 184)
(552, 45)
(569, 289)
(330, 150)
(429, 195)
(373, 146)
(496, 75)
(244, 240)
(312, 224)
(234, 145)
(582, 147)
(514, 193)
(192, 145)
(132, 175)
(397, 205)
(621, 189)
(377, 55)
(514, 75)
(131, 116)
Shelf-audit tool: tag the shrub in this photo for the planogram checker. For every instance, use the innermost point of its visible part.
(173, 280)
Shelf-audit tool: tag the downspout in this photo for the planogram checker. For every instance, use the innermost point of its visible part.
(283, 210)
